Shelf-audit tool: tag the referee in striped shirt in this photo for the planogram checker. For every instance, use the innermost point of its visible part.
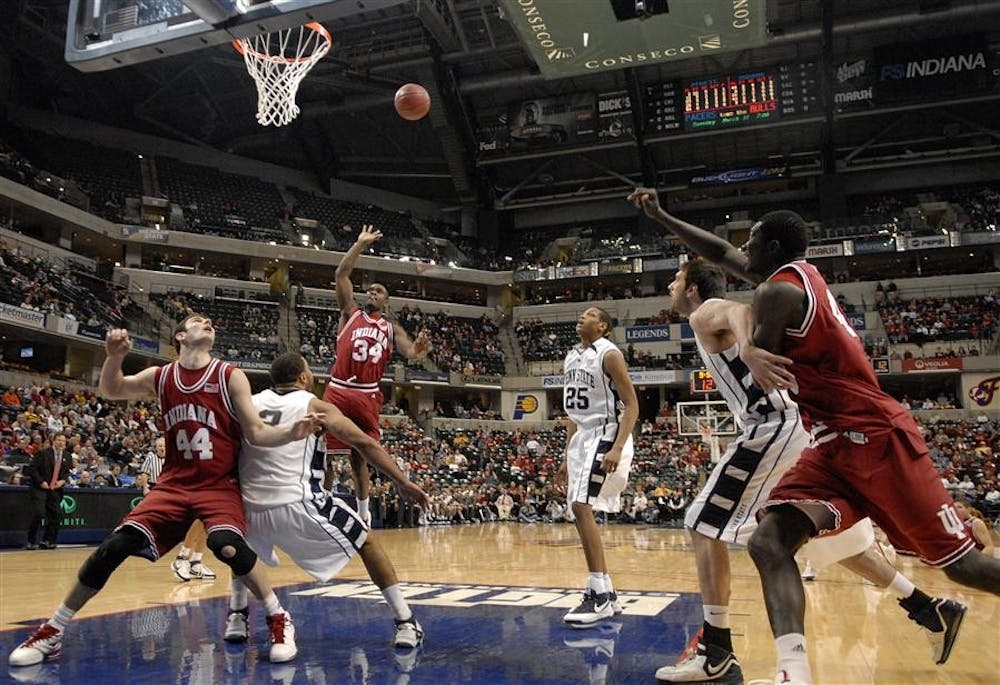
(153, 463)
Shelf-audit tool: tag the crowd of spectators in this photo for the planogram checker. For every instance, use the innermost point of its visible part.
(467, 346)
(45, 286)
(243, 329)
(922, 320)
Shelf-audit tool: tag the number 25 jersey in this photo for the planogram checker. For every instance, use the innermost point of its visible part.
(202, 433)
(590, 398)
(364, 346)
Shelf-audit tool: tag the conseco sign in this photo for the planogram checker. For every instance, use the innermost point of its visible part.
(568, 38)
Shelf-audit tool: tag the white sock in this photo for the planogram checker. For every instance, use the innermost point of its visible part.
(595, 581)
(394, 598)
(716, 615)
(363, 507)
(901, 586)
(271, 605)
(62, 617)
(607, 583)
(196, 558)
(237, 595)
(792, 657)
(184, 553)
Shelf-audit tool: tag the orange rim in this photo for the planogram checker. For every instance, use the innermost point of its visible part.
(315, 26)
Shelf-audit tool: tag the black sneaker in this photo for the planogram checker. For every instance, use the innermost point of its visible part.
(593, 608)
(941, 620)
(707, 664)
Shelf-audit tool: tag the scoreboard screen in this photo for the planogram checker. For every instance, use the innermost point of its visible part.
(789, 90)
(726, 101)
(702, 381)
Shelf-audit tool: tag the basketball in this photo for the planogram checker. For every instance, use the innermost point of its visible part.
(412, 101)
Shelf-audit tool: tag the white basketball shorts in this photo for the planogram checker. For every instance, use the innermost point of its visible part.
(726, 508)
(320, 540)
(587, 483)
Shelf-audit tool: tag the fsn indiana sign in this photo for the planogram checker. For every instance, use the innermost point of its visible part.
(573, 37)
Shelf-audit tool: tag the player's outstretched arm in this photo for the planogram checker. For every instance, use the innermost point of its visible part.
(114, 384)
(254, 429)
(707, 244)
(345, 289)
(414, 350)
(336, 424)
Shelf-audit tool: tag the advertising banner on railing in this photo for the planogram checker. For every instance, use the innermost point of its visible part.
(25, 317)
(657, 333)
(927, 242)
(981, 390)
(831, 250)
(874, 245)
(933, 364)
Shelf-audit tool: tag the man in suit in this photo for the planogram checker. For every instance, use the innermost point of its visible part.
(47, 473)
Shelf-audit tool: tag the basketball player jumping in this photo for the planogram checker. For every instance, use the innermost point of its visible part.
(207, 409)
(287, 507)
(365, 339)
(867, 457)
(600, 400)
(769, 443)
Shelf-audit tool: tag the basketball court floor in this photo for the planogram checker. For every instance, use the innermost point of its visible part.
(490, 598)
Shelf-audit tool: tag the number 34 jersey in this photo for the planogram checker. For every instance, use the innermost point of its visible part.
(589, 395)
(202, 433)
(364, 346)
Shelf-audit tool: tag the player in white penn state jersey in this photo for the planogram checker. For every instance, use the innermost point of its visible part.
(287, 507)
(771, 440)
(599, 398)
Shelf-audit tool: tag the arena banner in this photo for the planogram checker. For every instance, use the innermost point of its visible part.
(25, 317)
(146, 345)
(897, 74)
(874, 245)
(577, 271)
(722, 178)
(626, 265)
(552, 381)
(614, 117)
(479, 379)
(933, 364)
(666, 264)
(92, 332)
(657, 333)
(927, 242)
(687, 333)
(984, 238)
(857, 321)
(547, 122)
(981, 390)
(657, 377)
(524, 406)
(831, 250)
(573, 38)
(88, 514)
(423, 375)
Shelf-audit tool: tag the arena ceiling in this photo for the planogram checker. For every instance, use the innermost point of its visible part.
(348, 129)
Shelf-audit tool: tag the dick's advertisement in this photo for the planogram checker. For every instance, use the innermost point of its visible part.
(549, 122)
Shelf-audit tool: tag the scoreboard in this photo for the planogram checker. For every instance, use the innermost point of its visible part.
(732, 100)
(701, 381)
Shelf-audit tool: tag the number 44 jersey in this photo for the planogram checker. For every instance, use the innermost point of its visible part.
(589, 395)
(202, 433)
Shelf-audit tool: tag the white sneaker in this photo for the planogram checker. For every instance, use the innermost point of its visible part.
(615, 606)
(237, 629)
(409, 634)
(42, 644)
(594, 607)
(199, 570)
(706, 664)
(282, 637)
(182, 568)
(810, 572)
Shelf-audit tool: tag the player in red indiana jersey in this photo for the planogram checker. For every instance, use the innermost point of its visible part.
(867, 457)
(365, 340)
(207, 408)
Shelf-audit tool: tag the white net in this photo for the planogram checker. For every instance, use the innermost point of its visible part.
(278, 62)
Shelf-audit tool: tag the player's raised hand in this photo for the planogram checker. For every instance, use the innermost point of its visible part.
(422, 345)
(117, 343)
(369, 234)
(645, 199)
(770, 371)
(410, 492)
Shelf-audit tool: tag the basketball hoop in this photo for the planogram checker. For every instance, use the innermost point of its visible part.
(278, 62)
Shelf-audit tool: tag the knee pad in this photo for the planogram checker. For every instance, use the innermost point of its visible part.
(115, 549)
(242, 561)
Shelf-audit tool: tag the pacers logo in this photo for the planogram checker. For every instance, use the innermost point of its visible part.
(982, 394)
(134, 503)
(524, 405)
(67, 504)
